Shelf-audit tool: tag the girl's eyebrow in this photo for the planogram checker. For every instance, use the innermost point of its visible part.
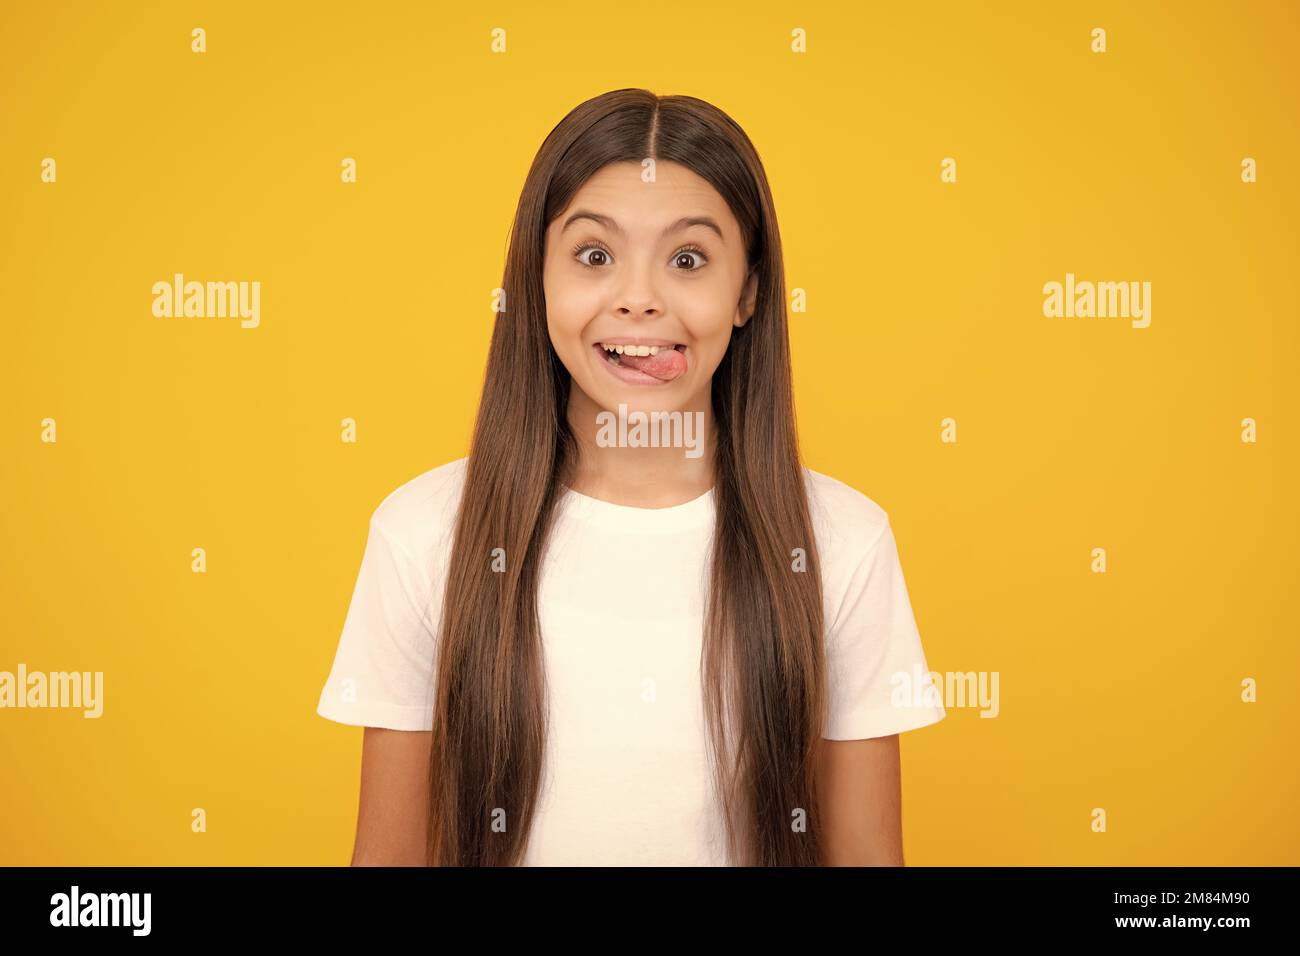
(683, 223)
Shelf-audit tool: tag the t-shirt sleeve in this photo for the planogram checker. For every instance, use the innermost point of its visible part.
(879, 683)
(383, 669)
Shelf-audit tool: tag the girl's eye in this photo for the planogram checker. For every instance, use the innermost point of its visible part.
(593, 255)
(600, 251)
(686, 256)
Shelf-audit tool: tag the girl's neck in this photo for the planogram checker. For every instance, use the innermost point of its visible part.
(641, 477)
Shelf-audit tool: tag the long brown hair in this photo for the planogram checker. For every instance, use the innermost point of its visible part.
(762, 665)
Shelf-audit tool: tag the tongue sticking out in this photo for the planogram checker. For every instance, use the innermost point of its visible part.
(665, 366)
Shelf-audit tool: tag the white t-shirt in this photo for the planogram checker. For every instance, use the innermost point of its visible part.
(626, 780)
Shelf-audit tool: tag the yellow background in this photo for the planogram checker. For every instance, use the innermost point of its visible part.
(1118, 690)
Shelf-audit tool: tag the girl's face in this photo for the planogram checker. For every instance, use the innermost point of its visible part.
(654, 269)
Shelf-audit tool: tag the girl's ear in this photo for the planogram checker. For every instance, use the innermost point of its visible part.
(748, 297)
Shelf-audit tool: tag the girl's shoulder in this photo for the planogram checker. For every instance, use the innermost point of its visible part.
(419, 514)
(846, 522)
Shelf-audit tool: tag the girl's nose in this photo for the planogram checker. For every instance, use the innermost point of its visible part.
(637, 296)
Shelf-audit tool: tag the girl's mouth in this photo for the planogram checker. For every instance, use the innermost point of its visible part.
(643, 361)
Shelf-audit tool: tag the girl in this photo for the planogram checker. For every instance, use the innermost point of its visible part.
(629, 628)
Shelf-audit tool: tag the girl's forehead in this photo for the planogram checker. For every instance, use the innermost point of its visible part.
(662, 178)
(622, 193)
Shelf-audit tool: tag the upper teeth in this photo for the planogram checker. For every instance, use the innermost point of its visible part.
(631, 349)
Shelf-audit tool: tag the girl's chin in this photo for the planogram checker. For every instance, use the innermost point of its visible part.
(671, 398)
